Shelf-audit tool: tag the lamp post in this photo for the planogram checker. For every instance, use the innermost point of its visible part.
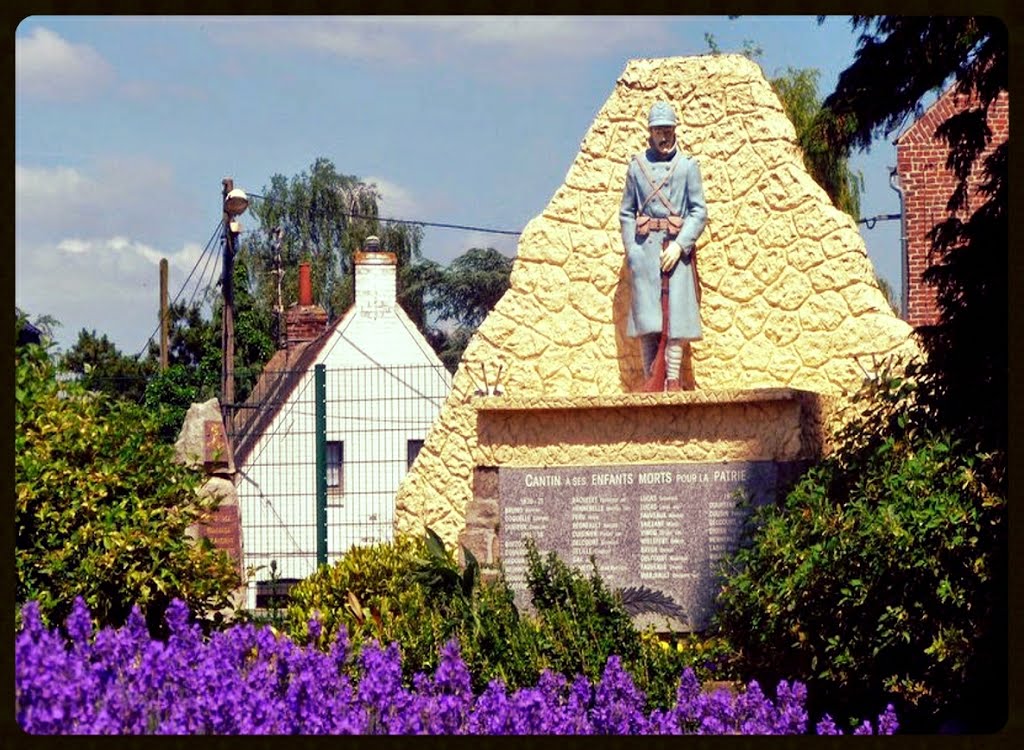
(235, 203)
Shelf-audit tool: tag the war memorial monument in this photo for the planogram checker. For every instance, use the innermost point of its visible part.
(574, 421)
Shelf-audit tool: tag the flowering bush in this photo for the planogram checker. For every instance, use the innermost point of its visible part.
(877, 577)
(246, 680)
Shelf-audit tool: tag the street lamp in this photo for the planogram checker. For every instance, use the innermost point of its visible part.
(236, 202)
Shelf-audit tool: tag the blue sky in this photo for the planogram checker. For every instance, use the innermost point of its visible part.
(125, 126)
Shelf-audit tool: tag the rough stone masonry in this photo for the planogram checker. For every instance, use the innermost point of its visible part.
(789, 294)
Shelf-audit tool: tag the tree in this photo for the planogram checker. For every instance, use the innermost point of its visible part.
(45, 324)
(898, 61)
(104, 368)
(889, 293)
(101, 508)
(324, 217)
(471, 286)
(872, 579)
(798, 91)
(462, 295)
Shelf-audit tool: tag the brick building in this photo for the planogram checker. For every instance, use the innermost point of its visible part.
(927, 185)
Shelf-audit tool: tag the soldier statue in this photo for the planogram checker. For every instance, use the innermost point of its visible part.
(662, 215)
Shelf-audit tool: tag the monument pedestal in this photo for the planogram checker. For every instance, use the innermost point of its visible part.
(646, 483)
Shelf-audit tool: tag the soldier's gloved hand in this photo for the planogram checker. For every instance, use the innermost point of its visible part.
(670, 256)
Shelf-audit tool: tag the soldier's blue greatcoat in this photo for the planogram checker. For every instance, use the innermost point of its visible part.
(685, 193)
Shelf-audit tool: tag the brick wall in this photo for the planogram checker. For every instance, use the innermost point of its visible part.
(304, 323)
(927, 186)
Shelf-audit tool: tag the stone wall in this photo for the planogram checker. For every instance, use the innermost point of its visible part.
(778, 424)
(789, 295)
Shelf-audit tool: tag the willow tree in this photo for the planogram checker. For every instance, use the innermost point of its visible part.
(323, 217)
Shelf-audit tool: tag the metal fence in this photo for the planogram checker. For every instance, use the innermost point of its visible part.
(320, 454)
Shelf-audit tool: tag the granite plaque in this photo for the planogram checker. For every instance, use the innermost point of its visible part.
(665, 527)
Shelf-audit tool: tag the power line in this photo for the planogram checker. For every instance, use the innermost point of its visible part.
(441, 225)
(209, 242)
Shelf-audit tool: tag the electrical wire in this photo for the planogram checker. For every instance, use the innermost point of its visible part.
(442, 225)
(216, 231)
(205, 286)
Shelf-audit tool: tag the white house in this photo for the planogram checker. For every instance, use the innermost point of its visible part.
(384, 386)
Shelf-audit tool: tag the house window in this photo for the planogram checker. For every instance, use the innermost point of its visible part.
(412, 449)
(335, 466)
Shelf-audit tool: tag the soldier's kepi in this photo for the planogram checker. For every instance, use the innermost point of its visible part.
(662, 215)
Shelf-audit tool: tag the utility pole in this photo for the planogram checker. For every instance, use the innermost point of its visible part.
(227, 385)
(279, 271)
(164, 323)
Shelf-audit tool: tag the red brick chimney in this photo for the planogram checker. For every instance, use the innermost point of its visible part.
(304, 321)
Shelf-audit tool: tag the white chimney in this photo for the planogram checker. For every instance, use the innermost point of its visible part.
(376, 283)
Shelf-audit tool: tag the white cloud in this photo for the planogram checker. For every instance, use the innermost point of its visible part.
(47, 66)
(35, 186)
(118, 196)
(395, 201)
(108, 284)
(416, 39)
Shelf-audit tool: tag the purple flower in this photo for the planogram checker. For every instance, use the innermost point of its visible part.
(247, 681)
(79, 623)
(492, 711)
(316, 628)
(827, 727)
(887, 723)
(790, 700)
(618, 705)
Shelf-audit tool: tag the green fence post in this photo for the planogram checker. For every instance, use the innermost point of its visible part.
(320, 387)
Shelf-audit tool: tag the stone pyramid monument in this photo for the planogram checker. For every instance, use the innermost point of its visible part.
(789, 294)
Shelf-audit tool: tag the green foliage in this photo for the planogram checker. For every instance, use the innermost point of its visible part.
(878, 573)
(915, 56)
(169, 394)
(461, 295)
(101, 508)
(103, 368)
(45, 324)
(582, 620)
(890, 295)
(798, 91)
(413, 591)
(324, 216)
(750, 49)
(471, 286)
(451, 344)
(193, 372)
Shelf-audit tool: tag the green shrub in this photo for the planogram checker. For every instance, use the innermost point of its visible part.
(102, 509)
(580, 622)
(875, 577)
(412, 591)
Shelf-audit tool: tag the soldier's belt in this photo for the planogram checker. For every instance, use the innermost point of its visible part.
(646, 224)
